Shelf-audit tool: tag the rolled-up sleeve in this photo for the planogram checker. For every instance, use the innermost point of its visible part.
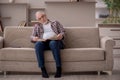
(60, 28)
(34, 32)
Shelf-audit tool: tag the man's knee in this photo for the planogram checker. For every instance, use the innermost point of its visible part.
(39, 44)
(53, 43)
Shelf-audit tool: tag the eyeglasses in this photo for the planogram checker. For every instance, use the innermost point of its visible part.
(41, 17)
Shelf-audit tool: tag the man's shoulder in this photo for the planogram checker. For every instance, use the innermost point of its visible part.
(55, 22)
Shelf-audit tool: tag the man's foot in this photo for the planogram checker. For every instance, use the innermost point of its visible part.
(58, 72)
(44, 73)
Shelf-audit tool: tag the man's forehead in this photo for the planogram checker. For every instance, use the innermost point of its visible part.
(39, 15)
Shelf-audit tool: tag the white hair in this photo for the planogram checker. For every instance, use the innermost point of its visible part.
(40, 12)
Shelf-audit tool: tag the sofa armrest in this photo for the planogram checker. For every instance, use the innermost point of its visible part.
(1, 42)
(107, 44)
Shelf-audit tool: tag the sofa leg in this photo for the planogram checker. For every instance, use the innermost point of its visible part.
(108, 72)
(98, 73)
(5, 73)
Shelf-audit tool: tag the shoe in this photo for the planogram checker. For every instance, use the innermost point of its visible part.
(44, 73)
(58, 72)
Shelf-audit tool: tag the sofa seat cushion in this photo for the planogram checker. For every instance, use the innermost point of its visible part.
(71, 54)
(83, 54)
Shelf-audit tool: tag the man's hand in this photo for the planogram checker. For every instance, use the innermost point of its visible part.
(59, 36)
(38, 39)
(35, 38)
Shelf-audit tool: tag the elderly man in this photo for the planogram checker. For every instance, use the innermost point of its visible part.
(48, 35)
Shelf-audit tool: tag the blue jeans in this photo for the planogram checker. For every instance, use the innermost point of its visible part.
(54, 46)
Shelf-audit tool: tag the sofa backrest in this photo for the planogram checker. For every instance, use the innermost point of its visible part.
(82, 37)
(17, 37)
(76, 37)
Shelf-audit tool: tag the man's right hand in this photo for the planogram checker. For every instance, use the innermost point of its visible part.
(35, 38)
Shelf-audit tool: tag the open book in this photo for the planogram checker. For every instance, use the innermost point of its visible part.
(52, 38)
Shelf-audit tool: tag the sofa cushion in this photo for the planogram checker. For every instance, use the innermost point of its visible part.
(18, 37)
(83, 54)
(72, 54)
(82, 37)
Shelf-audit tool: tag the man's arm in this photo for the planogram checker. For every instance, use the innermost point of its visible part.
(34, 36)
(61, 30)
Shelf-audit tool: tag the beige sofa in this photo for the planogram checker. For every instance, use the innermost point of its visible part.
(85, 51)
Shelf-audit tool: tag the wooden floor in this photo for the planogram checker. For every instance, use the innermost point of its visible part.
(71, 76)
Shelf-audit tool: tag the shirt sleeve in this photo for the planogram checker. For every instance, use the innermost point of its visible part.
(60, 28)
(34, 32)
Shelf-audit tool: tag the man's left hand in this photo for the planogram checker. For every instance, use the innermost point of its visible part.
(59, 36)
